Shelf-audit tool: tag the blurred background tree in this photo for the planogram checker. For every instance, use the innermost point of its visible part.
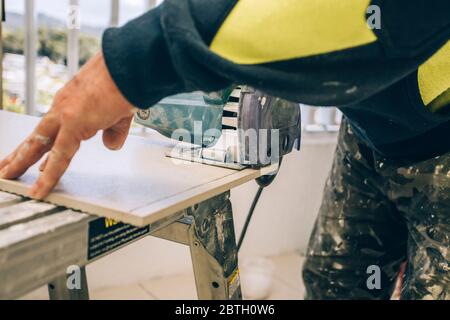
(13, 41)
(52, 43)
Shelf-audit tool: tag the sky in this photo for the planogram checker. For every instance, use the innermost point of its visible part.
(93, 12)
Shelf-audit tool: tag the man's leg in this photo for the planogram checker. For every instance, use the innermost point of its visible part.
(357, 227)
(422, 192)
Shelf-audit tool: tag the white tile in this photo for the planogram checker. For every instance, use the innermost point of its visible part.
(138, 185)
(178, 287)
(131, 292)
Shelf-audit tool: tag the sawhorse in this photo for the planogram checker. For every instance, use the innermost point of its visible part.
(38, 245)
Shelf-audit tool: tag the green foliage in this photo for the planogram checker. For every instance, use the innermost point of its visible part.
(13, 42)
(89, 46)
(11, 104)
(52, 43)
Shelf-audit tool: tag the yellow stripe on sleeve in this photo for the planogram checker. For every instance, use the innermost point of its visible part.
(261, 31)
(434, 78)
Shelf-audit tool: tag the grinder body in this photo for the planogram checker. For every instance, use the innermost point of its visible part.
(252, 124)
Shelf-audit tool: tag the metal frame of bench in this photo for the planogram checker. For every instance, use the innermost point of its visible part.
(37, 246)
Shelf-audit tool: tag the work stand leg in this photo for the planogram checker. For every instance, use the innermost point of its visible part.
(213, 249)
(58, 289)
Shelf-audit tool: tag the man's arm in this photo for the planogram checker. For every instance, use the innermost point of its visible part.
(315, 52)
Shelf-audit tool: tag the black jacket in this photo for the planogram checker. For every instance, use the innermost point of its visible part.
(187, 45)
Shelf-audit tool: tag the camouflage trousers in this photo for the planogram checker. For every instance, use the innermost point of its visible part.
(381, 212)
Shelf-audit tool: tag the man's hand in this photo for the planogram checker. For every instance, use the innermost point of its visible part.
(88, 103)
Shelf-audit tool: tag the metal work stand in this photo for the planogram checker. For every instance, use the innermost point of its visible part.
(58, 289)
(208, 230)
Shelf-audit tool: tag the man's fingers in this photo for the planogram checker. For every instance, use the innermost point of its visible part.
(59, 158)
(30, 151)
(26, 155)
(114, 138)
(6, 161)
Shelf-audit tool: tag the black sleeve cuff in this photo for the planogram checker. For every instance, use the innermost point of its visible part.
(139, 61)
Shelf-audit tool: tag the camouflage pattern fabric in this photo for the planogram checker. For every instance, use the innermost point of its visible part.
(381, 212)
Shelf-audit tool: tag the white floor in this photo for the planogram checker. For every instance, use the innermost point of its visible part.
(287, 285)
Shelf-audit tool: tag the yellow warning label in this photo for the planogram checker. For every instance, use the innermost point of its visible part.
(110, 222)
(234, 283)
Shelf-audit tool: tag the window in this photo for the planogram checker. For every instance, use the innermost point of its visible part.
(51, 54)
(36, 75)
(14, 60)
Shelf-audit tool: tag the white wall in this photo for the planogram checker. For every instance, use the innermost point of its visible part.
(282, 221)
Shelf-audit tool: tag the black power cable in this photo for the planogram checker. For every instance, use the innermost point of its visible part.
(249, 217)
(263, 182)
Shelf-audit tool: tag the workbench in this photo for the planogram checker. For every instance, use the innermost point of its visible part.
(108, 200)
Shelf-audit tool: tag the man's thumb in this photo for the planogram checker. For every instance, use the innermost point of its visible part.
(114, 138)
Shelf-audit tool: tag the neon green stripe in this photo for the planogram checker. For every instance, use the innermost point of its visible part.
(434, 78)
(261, 31)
